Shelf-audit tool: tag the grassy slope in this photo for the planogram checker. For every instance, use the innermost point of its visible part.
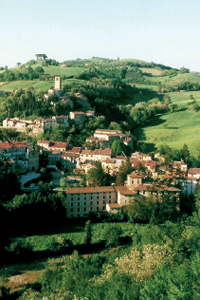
(179, 77)
(183, 98)
(153, 71)
(183, 127)
(26, 84)
(37, 84)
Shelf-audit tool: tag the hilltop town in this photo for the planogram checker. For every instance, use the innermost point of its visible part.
(78, 171)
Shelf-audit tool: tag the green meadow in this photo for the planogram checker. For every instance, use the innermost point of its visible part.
(26, 84)
(182, 98)
(182, 127)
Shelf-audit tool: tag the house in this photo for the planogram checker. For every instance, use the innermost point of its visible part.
(52, 146)
(16, 123)
(61, 120)
(90, 113)
(105, 137)
(79, 201)
(67, 101)
(49, 123)
(77, 116)
(180, 165)
(95, 155)
(113, 207)
(70, 158)
(194, 173)
(141, 156)
(22, 155)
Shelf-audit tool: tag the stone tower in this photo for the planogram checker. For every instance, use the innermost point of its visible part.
(58, 83)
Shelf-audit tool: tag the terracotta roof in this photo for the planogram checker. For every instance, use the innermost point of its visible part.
(109, 161)
(75, 150)
(121, 157)
(91, 138)
(106, 151)
(98, 189)
(133, 175)
(59, 145)
(194, 171)
(12, 145)
(50, 120)
(43, 142)
(114, 205)
(68, 154)
(78, 112)
(108, 130)
(173, 189)
(90, 111)
(124, 190)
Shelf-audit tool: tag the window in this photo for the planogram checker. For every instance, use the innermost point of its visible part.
(104, 202)
(91, 202)
(110, 197)
(78, 203)
(109, 201)
(91, 198)
(78, 209)
(90, 208)
(78, 198)
(84, 198)
(84, 209)
(97, 197)
(97, 208)
(104, 207)
(72, 204)
(84, 203)
(71, 209)
(104, 197)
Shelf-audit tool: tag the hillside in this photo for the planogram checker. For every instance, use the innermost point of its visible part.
(182, 127)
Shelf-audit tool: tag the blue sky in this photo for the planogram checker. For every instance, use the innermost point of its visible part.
(162, 31)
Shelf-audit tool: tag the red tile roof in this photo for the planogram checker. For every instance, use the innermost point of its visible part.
(97, 189)
(11, 145)
(124, 190)
(194, 171)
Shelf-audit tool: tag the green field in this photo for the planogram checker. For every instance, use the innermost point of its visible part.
(58, 71)
(180, 77)
(132, 60)
(182, 127)
(182, 98)
(153, 71)
(26, 84)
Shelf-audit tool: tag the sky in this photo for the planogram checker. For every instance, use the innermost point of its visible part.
(162, 31)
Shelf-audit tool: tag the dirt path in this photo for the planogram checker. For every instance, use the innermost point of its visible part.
(19, 281)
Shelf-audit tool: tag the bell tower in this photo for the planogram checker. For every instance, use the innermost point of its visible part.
(58, 83)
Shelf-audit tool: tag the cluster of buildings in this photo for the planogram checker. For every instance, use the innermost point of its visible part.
(105, 138)
(21, 156)
(112, 198)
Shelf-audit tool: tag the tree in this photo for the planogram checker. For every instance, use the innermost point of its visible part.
(97, 177)
(88, 233)
(185, 153)
(118, 147)
(63, 183)
(18, 64)
(7, 180)
(124, 170)
(39, 69)
(111, 234)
